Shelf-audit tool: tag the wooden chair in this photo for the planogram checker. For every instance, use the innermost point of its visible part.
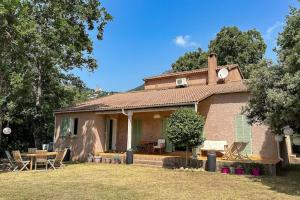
(57, 161)
(41, 158)
(161, 144)
(21, 164)
(235, 151)
(12, 163)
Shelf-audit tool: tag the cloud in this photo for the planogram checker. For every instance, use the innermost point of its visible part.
(272, 31)
(184, 41)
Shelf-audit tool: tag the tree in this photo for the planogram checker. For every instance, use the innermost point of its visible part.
(41, 41)
(191, 60)
(234, 46)
(185, 127)
(275, 89)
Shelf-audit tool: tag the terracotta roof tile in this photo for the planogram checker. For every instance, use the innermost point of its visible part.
(155, 98)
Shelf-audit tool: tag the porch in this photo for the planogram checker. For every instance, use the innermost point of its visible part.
(176, 159)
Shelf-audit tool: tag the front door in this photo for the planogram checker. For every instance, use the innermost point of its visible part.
(111, 134)
(169, 146)
(136, 133)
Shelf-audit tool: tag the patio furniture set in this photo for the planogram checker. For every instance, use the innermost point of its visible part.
(35, 157)
(152, 147)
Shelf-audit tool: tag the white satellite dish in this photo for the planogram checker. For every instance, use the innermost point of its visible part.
(223, 73)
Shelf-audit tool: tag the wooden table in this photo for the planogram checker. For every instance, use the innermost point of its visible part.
(33, 155)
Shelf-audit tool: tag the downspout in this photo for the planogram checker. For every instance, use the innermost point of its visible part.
(279, 138)
(123, 111)
(196, 106)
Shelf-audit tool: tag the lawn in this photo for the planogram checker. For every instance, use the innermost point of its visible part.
(108, 181)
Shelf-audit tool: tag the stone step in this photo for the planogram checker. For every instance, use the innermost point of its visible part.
(148, 162)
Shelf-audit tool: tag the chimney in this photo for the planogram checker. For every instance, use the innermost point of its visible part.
(212, 69)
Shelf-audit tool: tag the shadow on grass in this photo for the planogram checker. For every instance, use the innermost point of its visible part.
(287, 181)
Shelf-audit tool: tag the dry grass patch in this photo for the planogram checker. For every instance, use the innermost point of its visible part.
(105, 181)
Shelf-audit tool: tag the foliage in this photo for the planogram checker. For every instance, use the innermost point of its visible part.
(234, 46)
(191, 60)
(185, 127)
(275, 89)
(41, 42)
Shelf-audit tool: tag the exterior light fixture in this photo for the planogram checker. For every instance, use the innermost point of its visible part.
(287, 130)
(156, 116)
(7, 130)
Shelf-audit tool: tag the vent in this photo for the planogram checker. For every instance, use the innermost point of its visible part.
(181, 82)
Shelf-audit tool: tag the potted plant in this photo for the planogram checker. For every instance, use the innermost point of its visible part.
(256, 169)
(116, 159)
(225, 169)
(239, 170)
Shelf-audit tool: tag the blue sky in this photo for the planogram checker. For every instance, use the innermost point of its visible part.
(147, 36)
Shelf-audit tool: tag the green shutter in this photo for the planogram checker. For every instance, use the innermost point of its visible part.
(64, 126)
(136, 132)
(169, 146)
(107, 127)
(243, 132)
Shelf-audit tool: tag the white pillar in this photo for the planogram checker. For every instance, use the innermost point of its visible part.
(129, 130)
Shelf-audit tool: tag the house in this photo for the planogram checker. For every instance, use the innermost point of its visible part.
(121, 121)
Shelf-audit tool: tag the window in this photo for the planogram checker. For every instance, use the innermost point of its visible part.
(68, 125)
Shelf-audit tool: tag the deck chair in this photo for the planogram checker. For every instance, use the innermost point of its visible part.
(20, 164)
(12, 163)
(235, 151)
(161, 144)
(41, 158)
(57, 161)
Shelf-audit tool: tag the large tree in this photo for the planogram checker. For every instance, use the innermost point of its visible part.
(191, 60)
(43, 41)
(234, 46)
(275, 89)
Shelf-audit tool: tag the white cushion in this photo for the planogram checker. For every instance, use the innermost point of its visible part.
(214, 145)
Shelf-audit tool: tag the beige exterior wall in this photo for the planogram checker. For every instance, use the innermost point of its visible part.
(90, 136)
(220, 110)
(170, 82)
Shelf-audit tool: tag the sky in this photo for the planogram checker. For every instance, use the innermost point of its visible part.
(147, 36)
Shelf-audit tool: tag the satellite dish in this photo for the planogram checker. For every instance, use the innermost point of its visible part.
(223, 73)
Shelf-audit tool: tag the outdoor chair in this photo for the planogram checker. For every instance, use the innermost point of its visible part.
(57, 161)
(161, 144)
(41, 158)
(12, 163)
(235, 151)
(20, 164)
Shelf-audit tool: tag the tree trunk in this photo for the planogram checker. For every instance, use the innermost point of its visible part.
(186, 156)
(37, 117)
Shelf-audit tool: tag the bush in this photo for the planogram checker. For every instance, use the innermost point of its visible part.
(185, 128)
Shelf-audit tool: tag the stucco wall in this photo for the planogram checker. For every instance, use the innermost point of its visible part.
(90, 136)
(220, 110)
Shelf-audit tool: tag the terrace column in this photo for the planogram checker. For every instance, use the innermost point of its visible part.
(129, 130)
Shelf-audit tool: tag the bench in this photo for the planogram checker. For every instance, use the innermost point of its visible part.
(218, 146)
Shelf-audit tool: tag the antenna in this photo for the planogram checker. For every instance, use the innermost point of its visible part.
(223, 73)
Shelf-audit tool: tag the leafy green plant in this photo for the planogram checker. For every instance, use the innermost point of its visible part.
(185, 127)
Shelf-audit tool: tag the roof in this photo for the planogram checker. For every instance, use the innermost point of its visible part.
(189, 72)
(155, 98)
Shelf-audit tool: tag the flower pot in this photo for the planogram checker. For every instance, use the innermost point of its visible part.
(255, 171)
(225, 170)
(239, 171)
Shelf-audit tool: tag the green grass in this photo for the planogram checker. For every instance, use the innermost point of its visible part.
(108, 181)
